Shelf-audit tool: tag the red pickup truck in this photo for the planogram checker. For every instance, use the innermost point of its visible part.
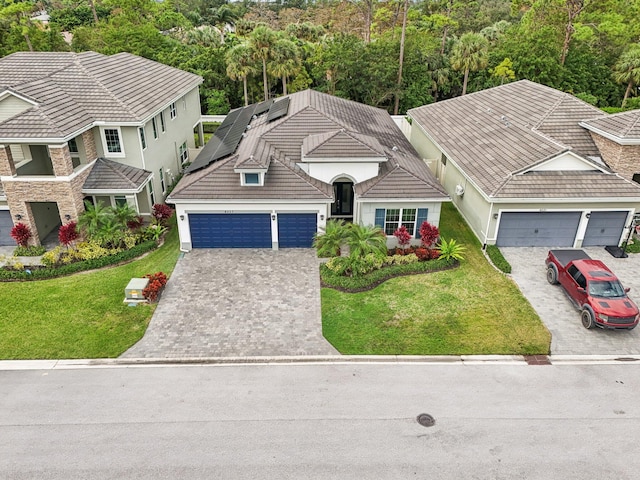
(593, 289)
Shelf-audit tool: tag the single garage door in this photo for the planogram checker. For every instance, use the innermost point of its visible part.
(6, 224)
(604, 228)
(538, 229)
(226, 230)
(296, 230)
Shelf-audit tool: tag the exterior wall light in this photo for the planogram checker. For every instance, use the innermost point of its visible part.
(181, 217)
(273, 217)
(67, 217)
(321, 218)
(18, 217)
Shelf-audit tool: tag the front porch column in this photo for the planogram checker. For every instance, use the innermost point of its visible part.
(200, 134)
(89, 142)
(23, 209)
(7, 165)
(61, 160)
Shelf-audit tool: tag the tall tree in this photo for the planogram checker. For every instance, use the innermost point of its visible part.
(470, 53)
(627, 69)
(18, 14)
(572, 9)
(261, 41)
(366, 9)
(240, 65)
(401, 58)
(285, 61)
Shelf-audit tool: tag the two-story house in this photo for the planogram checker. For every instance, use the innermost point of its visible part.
(85, 126)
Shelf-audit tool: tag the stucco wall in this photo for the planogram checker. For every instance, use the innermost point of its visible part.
(329, 172)
(11, 105)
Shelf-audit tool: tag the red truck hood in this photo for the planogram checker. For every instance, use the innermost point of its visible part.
(615, 307)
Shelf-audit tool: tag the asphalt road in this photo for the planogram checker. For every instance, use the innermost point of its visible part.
(347, 421)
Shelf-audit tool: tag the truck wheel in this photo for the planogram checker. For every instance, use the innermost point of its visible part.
(552, 275)
(587, 319)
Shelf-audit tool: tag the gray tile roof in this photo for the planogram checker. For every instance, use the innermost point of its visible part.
(109, 175)
(624, 125)
(75, 89)
(341, 144)
(313, 113)
(568, 184)
(495, 132)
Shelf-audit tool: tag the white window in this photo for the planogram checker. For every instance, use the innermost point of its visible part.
(183, 152)
(143, 139)
(112, 142)
(396, 217)
(162, 185)
(73, 146)
(251, 179)
(162, 126)
(155, 128)
(173, 112)
(151, 194)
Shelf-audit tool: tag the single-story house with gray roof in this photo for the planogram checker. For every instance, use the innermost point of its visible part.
(276, 171)
(524, 165)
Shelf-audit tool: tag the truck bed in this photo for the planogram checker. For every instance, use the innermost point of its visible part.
(565, 256)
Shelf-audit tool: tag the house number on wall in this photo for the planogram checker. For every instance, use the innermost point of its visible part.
(228, 211)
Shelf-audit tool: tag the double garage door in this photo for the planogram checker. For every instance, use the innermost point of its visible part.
(559, 229)
(251, 230)
(6, 224)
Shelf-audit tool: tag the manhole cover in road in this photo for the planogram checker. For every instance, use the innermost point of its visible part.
(426, 420)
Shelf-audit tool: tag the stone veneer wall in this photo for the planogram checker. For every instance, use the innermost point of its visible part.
(61, 160)
(7, 167)
(89, 141)
(622, 159)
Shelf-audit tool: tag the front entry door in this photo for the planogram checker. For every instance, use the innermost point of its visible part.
(343, 205)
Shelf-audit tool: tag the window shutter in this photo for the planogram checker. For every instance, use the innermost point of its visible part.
(380, 217)
(420, 218)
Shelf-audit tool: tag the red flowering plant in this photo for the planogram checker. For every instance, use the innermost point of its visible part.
(157, 281)
(403, 236)
(161, 213)
(428, 234)
(21, 233)
(68, 234)
(135, 223)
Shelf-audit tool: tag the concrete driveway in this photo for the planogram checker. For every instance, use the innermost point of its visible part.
(569, 337)
(238, 302)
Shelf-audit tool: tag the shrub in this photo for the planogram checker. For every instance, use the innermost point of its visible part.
(135, 223)
(29, 251)
(161, 213)
(494, 253)
(422, 254)
(364, 240)
(153, 232)
(21, 233)
(403, 236)
(157, 281)
(68, 233)
(428, 234)
(451, 250)
(402, 259)
(329, 243)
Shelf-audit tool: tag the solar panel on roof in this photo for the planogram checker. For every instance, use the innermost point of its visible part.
(278, 109)
(262, 107)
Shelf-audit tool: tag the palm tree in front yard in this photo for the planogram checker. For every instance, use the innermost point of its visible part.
(364, 240)
(331, 241)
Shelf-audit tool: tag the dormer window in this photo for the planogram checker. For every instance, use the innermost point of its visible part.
(252, 179)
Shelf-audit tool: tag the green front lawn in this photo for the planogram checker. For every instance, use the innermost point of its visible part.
(80, 316)
(472, 309)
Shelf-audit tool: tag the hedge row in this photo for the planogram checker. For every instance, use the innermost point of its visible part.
(497, 259)
(45, 273)
(375, 278)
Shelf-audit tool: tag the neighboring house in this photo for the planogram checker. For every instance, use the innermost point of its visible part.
(74, 127)
(274, 172)
(522, 168)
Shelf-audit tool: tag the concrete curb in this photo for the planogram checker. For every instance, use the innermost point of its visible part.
(557, 360)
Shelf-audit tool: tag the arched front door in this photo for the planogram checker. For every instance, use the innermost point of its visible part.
(343, 194)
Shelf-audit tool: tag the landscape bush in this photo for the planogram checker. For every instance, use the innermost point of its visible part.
(21, 233)
(29, 251)
(494, 253)
(157, 281)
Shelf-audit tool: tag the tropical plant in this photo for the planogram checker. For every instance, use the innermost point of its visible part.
(363, 240)
(285, 61)
(161, 213)
(68, 233)
(21, 233)
(111, 233)
(124, 213)
(403, 236)
(240, 65)
(451, 250)
(470, 54)
(330, 242)
(627, 70)
(93, 217)
(428, 234)
(262, 40)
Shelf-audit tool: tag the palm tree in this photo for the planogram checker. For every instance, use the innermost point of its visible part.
(331, 241)
(261, 41)
(364, 240)
(285, 61)
(124, 214)
(240, 65)
(94, 216)
(205, 36)
(221, 17)
(396, 105)
(470, 53)
(627, 69)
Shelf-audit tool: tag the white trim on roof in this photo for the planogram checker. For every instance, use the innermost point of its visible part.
(402, 200)
(224, 201)
(561, 200)
(539, 166)
(611, 136)
(8, 91)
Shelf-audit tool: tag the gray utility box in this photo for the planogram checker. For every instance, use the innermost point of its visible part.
(135, 287)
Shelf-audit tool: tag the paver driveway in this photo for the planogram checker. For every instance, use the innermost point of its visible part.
(569, 337)
(238, 302)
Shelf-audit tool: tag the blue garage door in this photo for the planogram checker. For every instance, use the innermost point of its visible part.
(226, 230)
(296, 230)
(6, 224)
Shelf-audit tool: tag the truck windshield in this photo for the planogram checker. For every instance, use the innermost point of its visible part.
(606, 289)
